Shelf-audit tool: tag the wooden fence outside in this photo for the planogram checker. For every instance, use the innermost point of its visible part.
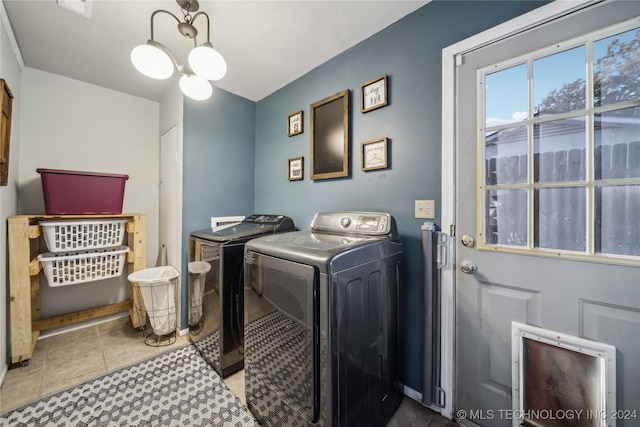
(560, 213)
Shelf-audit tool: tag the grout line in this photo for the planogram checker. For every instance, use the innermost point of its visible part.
(88, 323)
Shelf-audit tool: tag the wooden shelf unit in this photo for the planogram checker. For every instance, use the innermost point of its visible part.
(24, 280)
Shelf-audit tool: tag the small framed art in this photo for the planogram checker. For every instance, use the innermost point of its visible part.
(373, 94)
(374, 154)
(295, 168)
(294, 123)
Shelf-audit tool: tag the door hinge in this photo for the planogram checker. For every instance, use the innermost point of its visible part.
(452, 230)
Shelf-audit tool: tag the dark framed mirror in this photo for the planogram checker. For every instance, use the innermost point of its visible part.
(330, 137)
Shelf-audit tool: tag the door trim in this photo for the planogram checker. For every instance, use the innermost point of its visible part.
(177, 238)
(451, 57)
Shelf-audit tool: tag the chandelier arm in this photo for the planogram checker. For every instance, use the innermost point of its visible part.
(164, 11)
(208, 23)
(165, 50)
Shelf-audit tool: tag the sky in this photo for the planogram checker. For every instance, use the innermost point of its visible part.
(507, 91)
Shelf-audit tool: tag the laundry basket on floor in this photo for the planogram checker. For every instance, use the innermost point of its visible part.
(197, 277)
(158, 287)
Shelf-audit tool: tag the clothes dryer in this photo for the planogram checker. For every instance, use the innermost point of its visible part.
(322, 331)
(217, 326)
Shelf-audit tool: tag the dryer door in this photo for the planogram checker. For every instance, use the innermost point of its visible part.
(281, 339)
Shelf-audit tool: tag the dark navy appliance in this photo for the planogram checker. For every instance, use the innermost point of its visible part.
(322, 331)
(219, 332)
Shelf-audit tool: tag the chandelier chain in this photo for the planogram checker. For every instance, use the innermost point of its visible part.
(186, 12)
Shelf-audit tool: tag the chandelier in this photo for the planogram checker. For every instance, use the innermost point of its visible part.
(204, 63)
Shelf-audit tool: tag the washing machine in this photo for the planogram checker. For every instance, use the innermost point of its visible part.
(322, 322)
(216, 323)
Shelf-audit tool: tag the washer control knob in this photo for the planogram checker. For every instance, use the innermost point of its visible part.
(345, 221)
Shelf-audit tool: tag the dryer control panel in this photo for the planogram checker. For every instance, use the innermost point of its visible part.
(361, 223)
(265, 219)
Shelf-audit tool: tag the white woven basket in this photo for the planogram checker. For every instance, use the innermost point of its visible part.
(64, 236)
(70, 268)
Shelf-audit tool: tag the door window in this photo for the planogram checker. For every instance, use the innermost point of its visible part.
(560, 132)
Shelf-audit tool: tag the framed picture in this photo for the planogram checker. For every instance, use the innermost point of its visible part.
(294, 123)
(373, 94)
(374, 154)
(330, 136)
(295, 169)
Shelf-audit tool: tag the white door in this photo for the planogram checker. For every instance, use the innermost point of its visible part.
(548, 200)
(169, 218)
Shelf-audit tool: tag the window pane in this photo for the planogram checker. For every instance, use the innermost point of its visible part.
(616, 68)
(559, 82)
(559, 150)
(617, 144)
(560, 218)
(506, 156)
(617, 220)
(506, 96)
(506, 217)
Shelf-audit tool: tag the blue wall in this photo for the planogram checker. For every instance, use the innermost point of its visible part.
(236, 151)
(218, 158)
(409, 52)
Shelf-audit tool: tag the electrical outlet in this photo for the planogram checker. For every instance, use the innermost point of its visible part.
(426, 209)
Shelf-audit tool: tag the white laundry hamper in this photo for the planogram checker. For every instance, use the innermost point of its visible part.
(197, 278)
(158, 286)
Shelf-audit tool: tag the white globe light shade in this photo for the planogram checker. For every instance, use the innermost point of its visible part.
(152, 61)
(195, 87)
(207, 62)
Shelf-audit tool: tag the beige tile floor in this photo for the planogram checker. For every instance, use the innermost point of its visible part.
(65, 359)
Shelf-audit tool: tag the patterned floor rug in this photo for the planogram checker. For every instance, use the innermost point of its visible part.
(175, 388)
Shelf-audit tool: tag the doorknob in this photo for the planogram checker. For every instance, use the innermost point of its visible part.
(468, 241)
(468, 267)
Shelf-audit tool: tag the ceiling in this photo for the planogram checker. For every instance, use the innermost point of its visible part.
(266, 44)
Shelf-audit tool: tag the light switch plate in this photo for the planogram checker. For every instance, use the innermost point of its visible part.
(426, 209)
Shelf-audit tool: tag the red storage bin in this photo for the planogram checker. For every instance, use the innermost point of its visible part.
(82, 193)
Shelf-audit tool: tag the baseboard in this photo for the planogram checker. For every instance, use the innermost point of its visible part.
(417, 396)
(52, 332)
(413, 394)
(92, 322)
(4, 374)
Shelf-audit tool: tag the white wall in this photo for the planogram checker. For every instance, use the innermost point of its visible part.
(10, 71)
(171, 110)
(72, 125)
